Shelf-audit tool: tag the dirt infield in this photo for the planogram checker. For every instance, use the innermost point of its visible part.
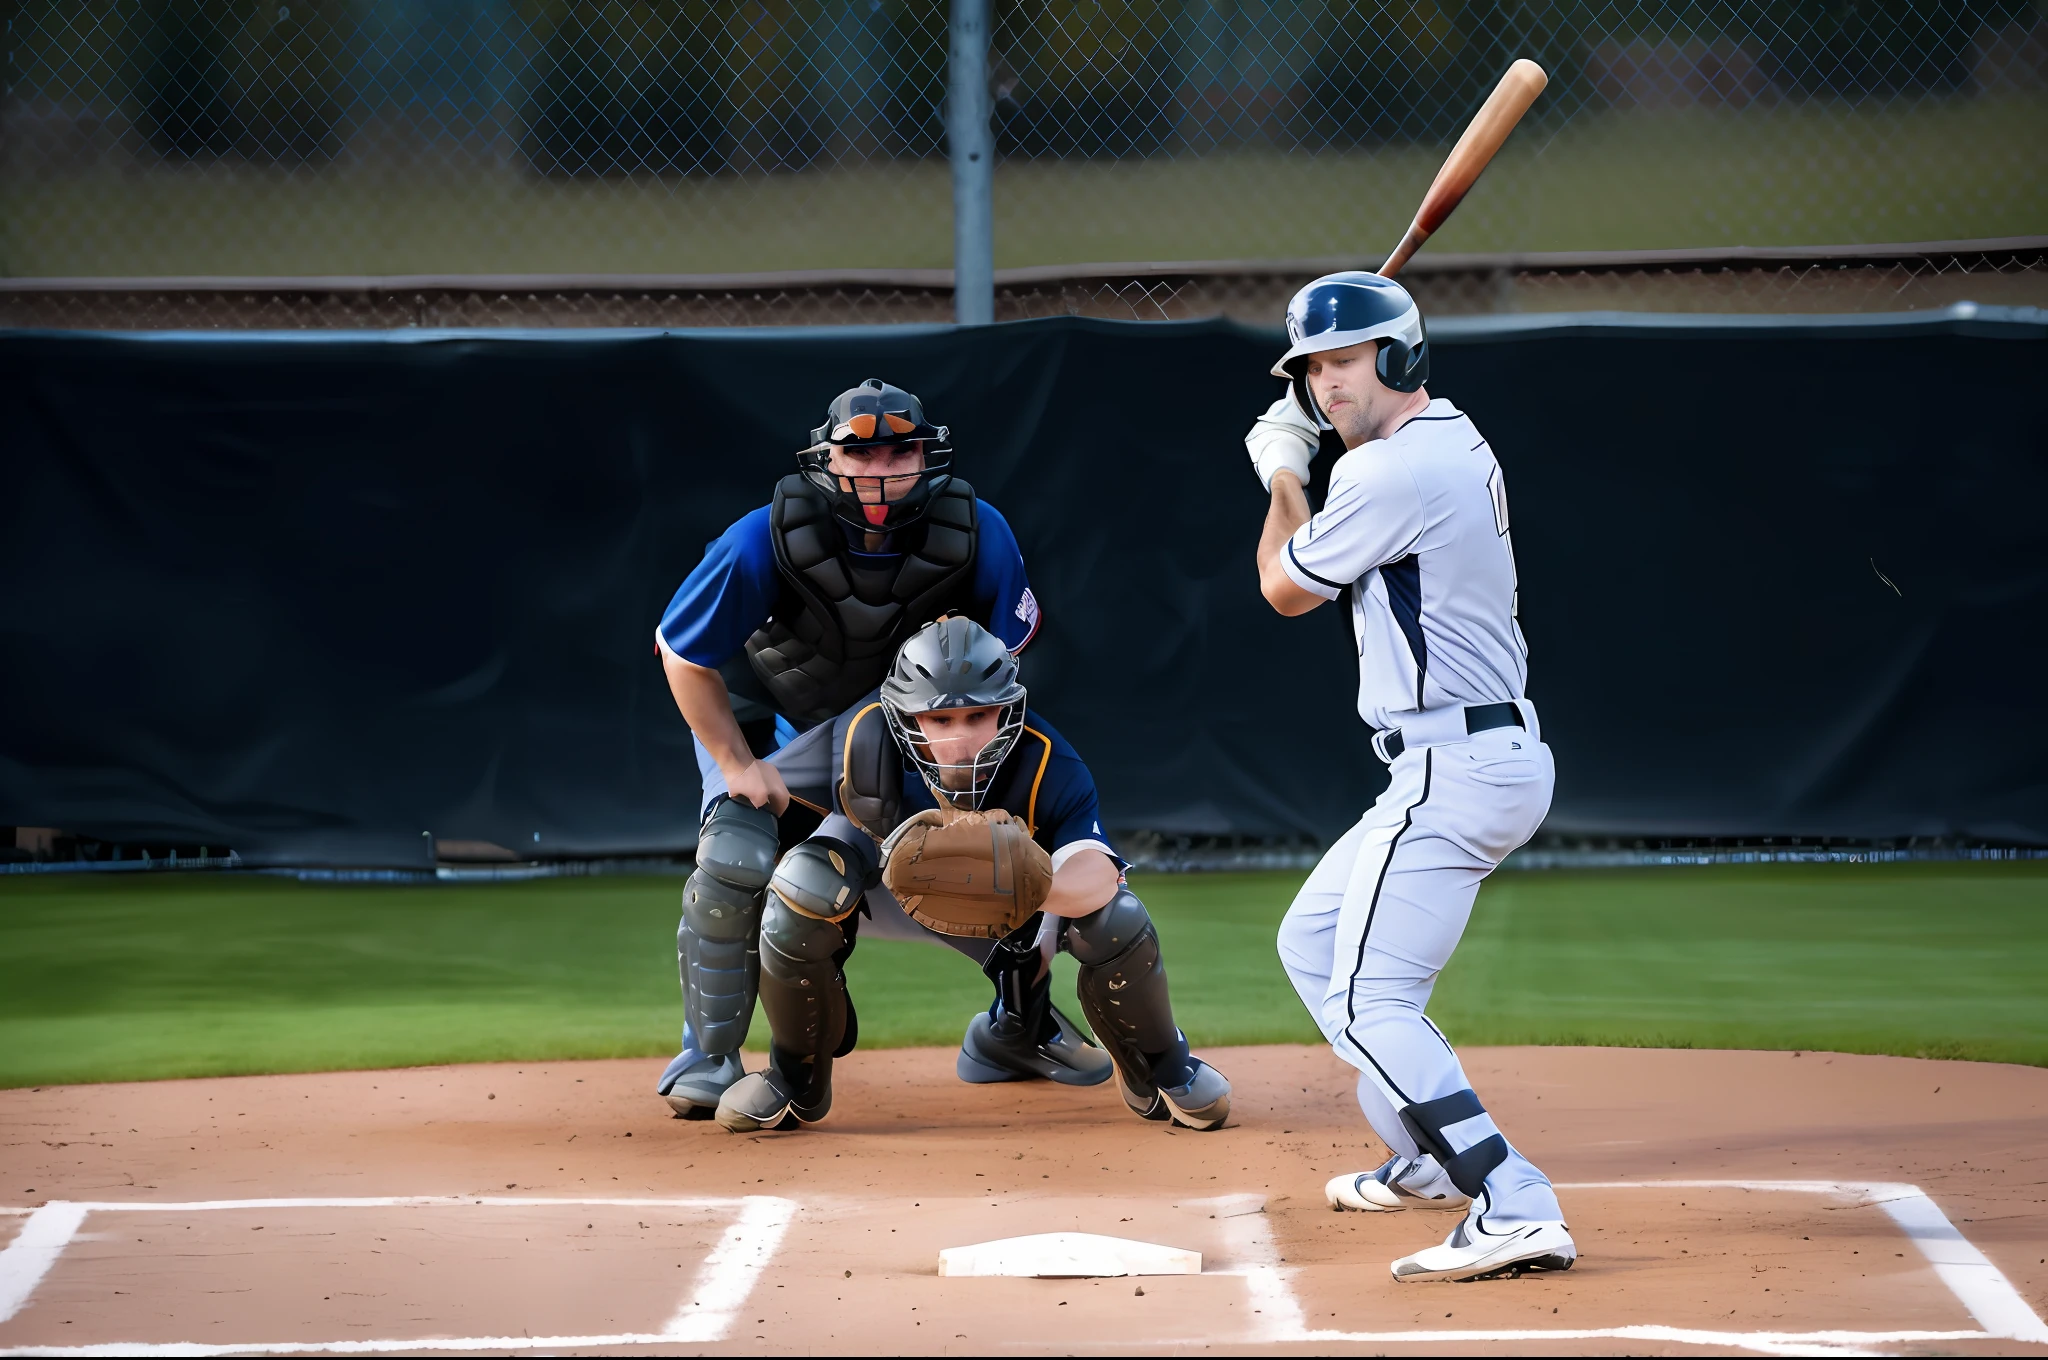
(556, 1207)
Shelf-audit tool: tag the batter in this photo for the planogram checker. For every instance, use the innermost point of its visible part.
(1414, 531)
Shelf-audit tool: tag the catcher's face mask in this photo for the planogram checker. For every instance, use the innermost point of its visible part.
(948, 677)
(957, 750)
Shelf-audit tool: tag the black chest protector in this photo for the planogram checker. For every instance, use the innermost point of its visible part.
(836, 626)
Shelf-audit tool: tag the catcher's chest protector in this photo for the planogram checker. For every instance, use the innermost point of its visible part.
(836, 626)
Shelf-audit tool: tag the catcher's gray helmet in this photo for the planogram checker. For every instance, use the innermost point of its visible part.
(1338, 311)
(954, 663)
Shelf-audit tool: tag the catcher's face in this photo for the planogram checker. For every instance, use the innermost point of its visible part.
(955, 736)
(880, 474)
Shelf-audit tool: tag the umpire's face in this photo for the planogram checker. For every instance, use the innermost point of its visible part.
(1347, 386)
(878, 473)
(955, 736)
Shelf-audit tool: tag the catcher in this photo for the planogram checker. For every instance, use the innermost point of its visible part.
(980, 825)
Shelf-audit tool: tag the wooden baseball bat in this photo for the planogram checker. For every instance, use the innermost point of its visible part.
(1473, 153)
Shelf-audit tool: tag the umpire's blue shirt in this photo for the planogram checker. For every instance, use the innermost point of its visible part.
(732, 591)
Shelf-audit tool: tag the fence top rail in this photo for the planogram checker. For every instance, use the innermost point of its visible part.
(1962, 318)
(941, 280)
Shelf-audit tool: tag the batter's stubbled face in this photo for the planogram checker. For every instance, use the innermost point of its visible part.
(955, 736)
(880, 474)
(1348, 388)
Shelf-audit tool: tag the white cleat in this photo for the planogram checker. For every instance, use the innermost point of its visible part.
(1472, 1253)
(1402, 1183)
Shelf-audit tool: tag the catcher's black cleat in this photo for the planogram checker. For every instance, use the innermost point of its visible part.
(999, 1047)
(770, 1100)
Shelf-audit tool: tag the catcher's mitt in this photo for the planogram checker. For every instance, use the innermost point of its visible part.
(966, 873)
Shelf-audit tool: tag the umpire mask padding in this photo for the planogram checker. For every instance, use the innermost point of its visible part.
(954, 663)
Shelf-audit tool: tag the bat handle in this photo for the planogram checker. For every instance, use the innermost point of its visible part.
(1410, 243)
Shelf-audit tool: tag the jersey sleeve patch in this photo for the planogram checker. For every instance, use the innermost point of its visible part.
(1008, 608)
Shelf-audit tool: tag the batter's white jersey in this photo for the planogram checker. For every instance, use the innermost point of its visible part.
(1417, 524)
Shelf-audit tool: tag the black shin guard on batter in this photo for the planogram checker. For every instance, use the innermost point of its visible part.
(1123, 992)
(803, 991)
(1427, 1122)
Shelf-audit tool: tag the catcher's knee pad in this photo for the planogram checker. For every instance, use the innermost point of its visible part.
(738, 844)
(721, 914)
(1123, 979)
(802, 989)
(1467, 1156)
(823, 877)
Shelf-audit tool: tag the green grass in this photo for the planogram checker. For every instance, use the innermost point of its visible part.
(110, 978)
(1794, 174)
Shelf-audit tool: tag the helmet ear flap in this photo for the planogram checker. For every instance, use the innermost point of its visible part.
(1401, 368)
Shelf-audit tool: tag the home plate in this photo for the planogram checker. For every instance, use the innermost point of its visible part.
(1067, 1255)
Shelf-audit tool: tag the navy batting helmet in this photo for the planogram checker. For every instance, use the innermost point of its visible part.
(1341, 310)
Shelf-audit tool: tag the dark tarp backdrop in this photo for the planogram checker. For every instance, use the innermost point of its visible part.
(320, 597)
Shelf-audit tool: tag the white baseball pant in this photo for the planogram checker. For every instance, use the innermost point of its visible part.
(1377, 920)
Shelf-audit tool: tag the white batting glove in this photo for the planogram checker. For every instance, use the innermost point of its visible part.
(1282, 438)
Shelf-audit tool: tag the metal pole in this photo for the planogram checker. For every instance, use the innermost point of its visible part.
(972, 150)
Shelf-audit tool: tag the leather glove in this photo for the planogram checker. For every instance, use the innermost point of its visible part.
(966, 873)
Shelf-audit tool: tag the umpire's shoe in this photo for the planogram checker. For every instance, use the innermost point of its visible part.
(1181, 1088)
(769, 1099)
(695, 1082)
(1001, 1047)
(1475, 1252)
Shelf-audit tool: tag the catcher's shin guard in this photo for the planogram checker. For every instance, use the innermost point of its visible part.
(715, 943)
(1124, 995)
(1470, 1154)
(804, 994)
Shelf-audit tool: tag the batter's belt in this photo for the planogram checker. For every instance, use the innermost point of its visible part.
(1449, 725)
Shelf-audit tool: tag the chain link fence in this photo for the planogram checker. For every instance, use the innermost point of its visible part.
(306, 138)
(2002, 273)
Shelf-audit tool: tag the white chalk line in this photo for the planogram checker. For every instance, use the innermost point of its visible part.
(728, 1273)
(1977, 1284)
(33, 1251)
(722, 1285)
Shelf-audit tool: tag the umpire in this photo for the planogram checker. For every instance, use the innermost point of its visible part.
(795, 612)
